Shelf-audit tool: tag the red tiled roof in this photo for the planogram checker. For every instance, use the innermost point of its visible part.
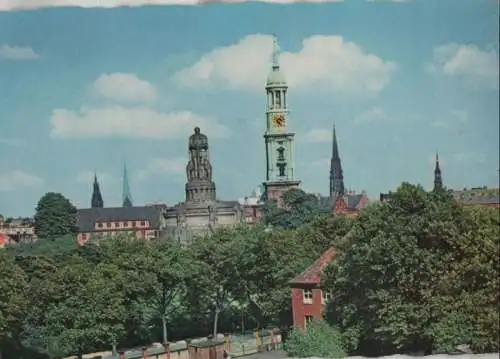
(4, 240)
(312, 274)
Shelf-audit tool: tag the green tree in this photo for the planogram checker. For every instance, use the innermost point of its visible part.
(173, 269)
(13, 300)
(55, 216)
(218, 283)
(92, 313)
(271, 259)
(386, 276)
(298, 209)
(317, 340)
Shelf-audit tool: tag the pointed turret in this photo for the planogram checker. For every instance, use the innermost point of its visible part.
(438, 180)
(96, 201)
(126, 195)
(337, 188)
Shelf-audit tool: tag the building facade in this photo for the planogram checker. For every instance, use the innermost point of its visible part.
(308, 298)
(279, 142)
(99, 222)
(201, 212)
(17, 230)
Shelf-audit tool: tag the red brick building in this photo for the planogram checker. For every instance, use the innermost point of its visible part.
(308, 298)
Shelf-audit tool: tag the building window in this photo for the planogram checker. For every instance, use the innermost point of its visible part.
(84, 236)
(125, 224)
(108, 225)
(143, 223)
(307, 296)
(326, 296)
(133, 224)
(308, 319)
(117, 224)
(99, 225)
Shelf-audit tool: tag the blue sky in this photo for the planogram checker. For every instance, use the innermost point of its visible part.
(84, 89)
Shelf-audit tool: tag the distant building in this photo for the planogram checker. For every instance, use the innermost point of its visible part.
(341, 201)
(478, 197)
(252, 206)
(472, 197)
(18, 230)
(308, 298)
(99, 222)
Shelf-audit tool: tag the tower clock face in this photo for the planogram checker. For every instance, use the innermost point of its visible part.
(279, 121)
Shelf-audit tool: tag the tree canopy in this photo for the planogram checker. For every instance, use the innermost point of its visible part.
(412, 273)
(415, 273)
(55, 216)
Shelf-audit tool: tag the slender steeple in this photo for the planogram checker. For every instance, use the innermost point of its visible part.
(96, 201)
(276, 54)
(126, 195)
(337, 188)
(438, 180)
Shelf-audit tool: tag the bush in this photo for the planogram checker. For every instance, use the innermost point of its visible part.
(318, 340)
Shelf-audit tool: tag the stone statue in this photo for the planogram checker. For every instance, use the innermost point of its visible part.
(198, 141)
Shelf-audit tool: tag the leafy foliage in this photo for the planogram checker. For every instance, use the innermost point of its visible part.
(414, 273)
(298, 209)
(13, 288)
(409, 267)
(317, 340)
(55, 216)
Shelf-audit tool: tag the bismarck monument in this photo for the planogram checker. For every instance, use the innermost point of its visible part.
(201, 212)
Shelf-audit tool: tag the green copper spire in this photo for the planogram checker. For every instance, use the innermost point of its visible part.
(276, 53)
(126, 196)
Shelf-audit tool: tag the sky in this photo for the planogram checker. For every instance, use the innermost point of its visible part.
(85, 89)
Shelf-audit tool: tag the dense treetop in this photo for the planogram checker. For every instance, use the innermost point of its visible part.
(415, 273)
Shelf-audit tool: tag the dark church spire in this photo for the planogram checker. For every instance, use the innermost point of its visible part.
(438, 180)
(126, 195)
(336, 176)
(96, 201)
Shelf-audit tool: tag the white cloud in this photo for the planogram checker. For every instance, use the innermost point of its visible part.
(453, 120)
(138, 122)
(124, 87)
(479, 67)
(318, 135)
(323, 63)
(375, 114)
(17, 179)
(163, 167)
(11, 5)
(8, 52)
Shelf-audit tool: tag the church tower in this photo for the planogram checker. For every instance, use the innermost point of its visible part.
(278, 141)
(337, 188)
(96, 201)
(199, 187)
(438, 180)
(126, 195)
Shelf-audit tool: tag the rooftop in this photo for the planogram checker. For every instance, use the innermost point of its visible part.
(312, 274)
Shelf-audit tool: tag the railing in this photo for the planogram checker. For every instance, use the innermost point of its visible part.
(235, 345)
